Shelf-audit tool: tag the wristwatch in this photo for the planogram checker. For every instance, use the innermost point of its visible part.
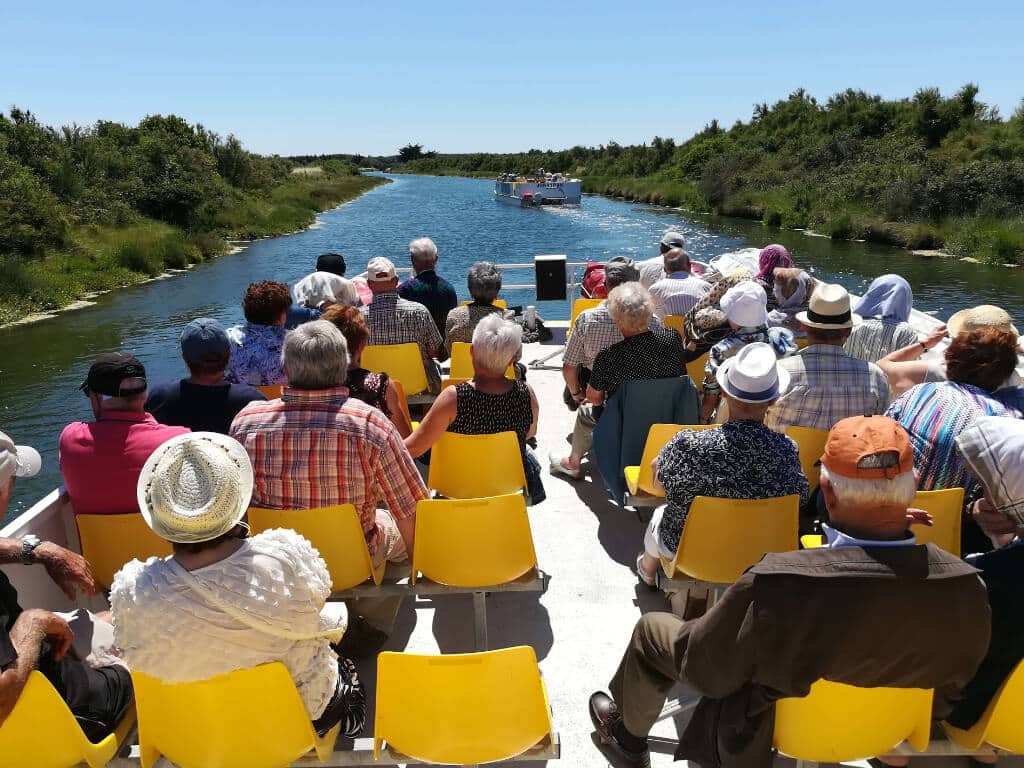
(29, 542)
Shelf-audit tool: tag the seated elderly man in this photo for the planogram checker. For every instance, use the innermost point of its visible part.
(256, 346)
(678, 291)
(426, 287)
(34, 639)
(777, 630)
(653, 269)
(484, 283)
(393, 320)
(645, 352)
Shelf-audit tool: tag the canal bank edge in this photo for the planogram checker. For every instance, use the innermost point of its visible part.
(128, 279)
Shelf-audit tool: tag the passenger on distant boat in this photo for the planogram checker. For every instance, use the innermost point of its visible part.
(256, 346)
(394, 320)
(484, 284)
(884, 310)
(426, 287)
(772, 257)
(826, 384)
(678, 290)
(653, 269)
(226, 601)
(101, 460)
(741, 654)
(98, 693)
(203, 402)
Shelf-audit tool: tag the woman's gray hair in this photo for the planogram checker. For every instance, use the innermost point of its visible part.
(423, 251)
(484, 282)
(496, 343)
(631, 306)
(315, 356)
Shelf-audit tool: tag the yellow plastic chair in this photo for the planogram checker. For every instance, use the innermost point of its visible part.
(641, 479)
(839, 723)
(41, 732)
(335, 531)
(582, 305)
(677, 322)
(462, 363)
(110, 541)
(450, 382)
(475, 466)
(460, 709)
(695, 369)
(1000, 725)
(801, 342)
(399, 361)
(403, 402)
(500, 303)
(811, 444)
(946, 507)
(271, 391)
(250, 718)
(724, 537)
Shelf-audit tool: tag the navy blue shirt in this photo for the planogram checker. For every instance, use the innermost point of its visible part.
(433, 292)
(200, 408)
(297, 315)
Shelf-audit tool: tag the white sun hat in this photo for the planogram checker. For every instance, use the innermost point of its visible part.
(17, 460)
(829, 307)
(195, 487)
(753, 375)
(745, 304)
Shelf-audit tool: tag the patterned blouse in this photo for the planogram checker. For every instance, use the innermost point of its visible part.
(742, 459)
(654, 354)
(256, 355)
(371, 388)
(781, 339)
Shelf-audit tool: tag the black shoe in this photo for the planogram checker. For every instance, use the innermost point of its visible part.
(604, 714)
(361, 639)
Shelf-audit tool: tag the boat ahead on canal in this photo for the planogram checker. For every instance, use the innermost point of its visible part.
(541, 189)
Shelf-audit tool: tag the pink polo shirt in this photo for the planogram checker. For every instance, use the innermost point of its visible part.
(101, 460)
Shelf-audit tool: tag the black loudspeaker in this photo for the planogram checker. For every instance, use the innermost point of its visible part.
(551, 277)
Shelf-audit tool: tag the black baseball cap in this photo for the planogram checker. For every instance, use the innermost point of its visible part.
(331, 262)
(109, 370)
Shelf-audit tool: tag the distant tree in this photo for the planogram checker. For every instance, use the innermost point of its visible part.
(410, 152)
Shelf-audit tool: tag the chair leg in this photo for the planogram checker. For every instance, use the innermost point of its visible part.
(480, 619)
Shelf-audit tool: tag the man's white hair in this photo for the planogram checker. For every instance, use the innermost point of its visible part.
(423, 251)
(315, 356)
(496, 343)
(631, 306)
(875, 491)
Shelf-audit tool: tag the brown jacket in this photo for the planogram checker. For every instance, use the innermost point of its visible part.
(911, 617)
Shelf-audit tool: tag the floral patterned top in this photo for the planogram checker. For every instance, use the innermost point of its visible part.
(256, 355)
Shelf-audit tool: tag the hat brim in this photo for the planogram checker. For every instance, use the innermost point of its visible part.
(169, 533)
(855, 319)
(956, 323)
(722, 376)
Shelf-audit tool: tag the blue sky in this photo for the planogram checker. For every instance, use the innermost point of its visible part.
(368, 77)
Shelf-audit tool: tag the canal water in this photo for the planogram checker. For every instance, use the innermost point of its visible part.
(42, 364)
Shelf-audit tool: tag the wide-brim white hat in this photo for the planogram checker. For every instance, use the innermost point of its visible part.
(195, 487)
(17, 460)
(829, 307)
(753, 375)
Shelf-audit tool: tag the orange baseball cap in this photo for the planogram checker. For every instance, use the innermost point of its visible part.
(852, 440)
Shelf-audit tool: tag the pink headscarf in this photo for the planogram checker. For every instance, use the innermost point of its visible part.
(772, 256)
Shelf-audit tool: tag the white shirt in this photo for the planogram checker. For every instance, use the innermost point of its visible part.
(651, 270)
(167, 630)
(837, 538)
(677, 293)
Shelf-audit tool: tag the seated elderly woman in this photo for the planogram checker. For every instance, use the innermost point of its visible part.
(376, 389)
(792, 294)
(256, 346)
(742, 459)
(884, 310)
(225, 601)
(645, 352)
(484, 283)
(488, 403)
(771, 258)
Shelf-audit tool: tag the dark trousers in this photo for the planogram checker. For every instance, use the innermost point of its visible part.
(98, 698)
(649, 669)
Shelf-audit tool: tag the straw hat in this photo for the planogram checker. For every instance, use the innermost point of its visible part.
(753, 375)
(829, 308)
(195, 487)
(980, 317)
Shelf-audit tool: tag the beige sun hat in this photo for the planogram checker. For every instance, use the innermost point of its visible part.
(981, 316)
(195, 487)
(828, 308)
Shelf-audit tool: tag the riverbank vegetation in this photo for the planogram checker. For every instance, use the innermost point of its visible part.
(89, 209)
(923, 172)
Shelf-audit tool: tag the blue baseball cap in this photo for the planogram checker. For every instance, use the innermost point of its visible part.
(205, 341)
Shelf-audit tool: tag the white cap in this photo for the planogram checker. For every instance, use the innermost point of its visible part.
(380, 270)
(17, 460)
(753, 375)
(745, 305)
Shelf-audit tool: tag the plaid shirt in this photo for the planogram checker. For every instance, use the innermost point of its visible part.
(827, 385)
(393, 320)
(594, 330)
(317, 448)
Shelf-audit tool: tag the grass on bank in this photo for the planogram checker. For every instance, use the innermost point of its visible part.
(100, 258)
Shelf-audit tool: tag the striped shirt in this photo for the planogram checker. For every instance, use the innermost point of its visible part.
(393, 320)
(594, 330)
(317, 448)
(677, 294)
(875, 338)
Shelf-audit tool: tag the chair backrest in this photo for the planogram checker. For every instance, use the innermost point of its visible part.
(582, 305)
(250, 718)
(695, 369)
(110, 541)
(475, 466)
(399, 361)
(462, 362)
(724, 537)
(461, 708)
(501, 303)
(676, 322)
(657, 439)
(473, 542)
(839, 723)
(42, 732)
(946, 508)
(271, 391)
(335, 531)
(1000, 723)
(402, 401)
(811, 444)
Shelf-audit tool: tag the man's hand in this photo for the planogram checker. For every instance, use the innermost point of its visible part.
(68, 570)
(36, 623)
(580, 396)
(919, 517)
(995, 524)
